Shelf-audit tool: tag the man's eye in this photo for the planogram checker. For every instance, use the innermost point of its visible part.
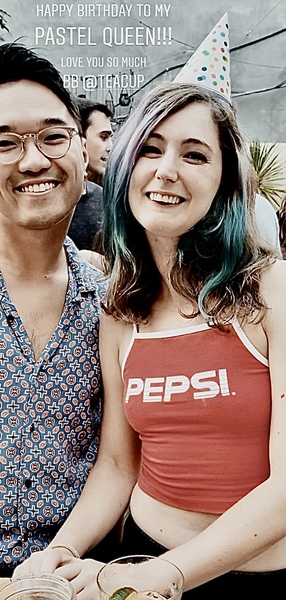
(55, 138)
(7, 144)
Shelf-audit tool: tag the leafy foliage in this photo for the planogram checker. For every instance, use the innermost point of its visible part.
(270, 169)
(3, 22)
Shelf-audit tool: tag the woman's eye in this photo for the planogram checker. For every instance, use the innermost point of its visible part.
(148, 149)
(196, 157)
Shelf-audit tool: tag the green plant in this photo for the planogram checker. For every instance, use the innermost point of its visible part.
(3, 22)
(270, 169)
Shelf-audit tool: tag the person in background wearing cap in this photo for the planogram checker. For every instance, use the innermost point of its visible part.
(193, 351)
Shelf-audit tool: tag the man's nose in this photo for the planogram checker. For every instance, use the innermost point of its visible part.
(109, 145)
(32, 158)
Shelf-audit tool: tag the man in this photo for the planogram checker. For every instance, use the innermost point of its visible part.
(96, 126)
(87, 217)
(49, 309)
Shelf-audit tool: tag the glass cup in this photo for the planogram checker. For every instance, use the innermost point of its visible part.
(37, 586)
(140, 577)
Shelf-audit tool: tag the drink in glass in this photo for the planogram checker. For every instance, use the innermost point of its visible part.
(140, 578)
(37, 586)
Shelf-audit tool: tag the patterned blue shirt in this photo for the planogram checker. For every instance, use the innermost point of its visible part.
(50, 414)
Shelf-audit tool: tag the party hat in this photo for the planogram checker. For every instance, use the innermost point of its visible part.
(209, 65)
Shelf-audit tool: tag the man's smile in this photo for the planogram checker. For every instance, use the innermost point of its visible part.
(36, 188)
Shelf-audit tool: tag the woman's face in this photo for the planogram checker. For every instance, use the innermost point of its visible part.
(177, 174)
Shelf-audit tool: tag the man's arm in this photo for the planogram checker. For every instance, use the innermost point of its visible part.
(111, 480)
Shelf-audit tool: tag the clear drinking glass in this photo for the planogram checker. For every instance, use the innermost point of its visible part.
(37, 586)
(140, 578)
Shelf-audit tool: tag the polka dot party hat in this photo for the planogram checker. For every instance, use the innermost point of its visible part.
(209, 65)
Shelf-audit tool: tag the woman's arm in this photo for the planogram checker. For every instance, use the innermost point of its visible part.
(258, 520)
(110, 482)
(109, 485)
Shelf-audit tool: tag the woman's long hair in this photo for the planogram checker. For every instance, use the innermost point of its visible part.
(218, 262)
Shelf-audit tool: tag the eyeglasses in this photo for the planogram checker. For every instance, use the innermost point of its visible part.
(52, 142)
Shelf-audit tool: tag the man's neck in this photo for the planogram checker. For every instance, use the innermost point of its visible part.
(95, 178)
(31, 253)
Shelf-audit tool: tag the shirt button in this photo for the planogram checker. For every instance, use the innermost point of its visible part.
(28, 483)
(10, 320)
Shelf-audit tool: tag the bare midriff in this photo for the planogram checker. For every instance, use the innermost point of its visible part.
(172, 527)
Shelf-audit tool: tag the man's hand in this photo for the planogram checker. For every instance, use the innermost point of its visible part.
(81, 573)
(45, 561)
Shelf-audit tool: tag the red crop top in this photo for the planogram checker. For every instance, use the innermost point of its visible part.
(201, 401)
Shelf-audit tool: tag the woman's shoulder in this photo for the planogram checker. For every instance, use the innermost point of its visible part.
(115, 328)
(275, 272)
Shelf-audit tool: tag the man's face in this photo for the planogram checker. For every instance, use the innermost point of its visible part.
(38, 192)
(98, 142)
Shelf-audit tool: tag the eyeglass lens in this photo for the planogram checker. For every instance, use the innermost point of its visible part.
(53, 142)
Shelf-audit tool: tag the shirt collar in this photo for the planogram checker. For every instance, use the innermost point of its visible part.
(84, 278)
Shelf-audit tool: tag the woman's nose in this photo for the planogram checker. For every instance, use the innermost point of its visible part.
(167, 167)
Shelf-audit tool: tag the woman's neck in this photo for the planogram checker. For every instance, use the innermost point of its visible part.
(163, 251)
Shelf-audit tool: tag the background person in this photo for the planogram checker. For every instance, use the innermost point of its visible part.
(282, 225)
(97, 129)
(267, 223)
(87, 217)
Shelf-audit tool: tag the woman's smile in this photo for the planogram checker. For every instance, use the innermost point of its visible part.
(165, 198)
(179, 168)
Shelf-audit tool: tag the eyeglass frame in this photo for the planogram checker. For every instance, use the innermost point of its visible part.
(71, 131)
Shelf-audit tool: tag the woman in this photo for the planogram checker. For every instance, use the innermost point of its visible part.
(194, 312)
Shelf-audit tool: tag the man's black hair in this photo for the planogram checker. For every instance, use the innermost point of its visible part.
(87, 107)
(18, 62)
